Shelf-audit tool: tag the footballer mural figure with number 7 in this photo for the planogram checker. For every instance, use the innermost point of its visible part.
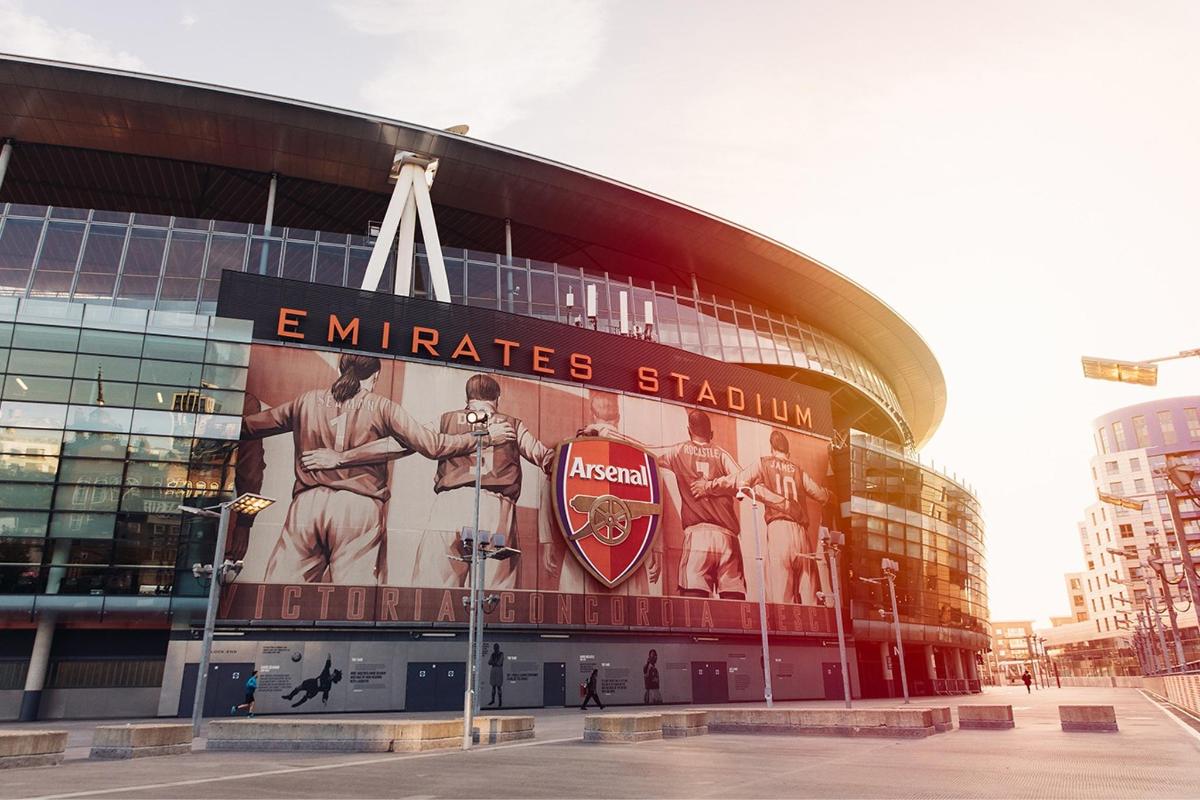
(335, 525)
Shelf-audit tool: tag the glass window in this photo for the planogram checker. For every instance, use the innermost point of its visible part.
(106, 368)
(181, 275)
(1167, 424)
(23, 523)
(29, 441)
(90, 470)
(214, 426)
(481, 283)
(298, 261)
(46, 337)
(172, 373)
(264, 257)
(159, 448)
(143, 265)
(1193, 422)
(152, 501)
(94, 445)
(1119, 435)
(357, 266)
(93, 392)
(89, 497)
(227, 353)
(163, 423)
(32, 415)
(1140, 432)
(18, 245)
(29, 387)
(100, 418)
(101, 258)
(72, 525)
(110, 343)
(56, 263)
(174, 349)
(331, 265)
(40, 362)
(24, 495)
(224, 377)
(32, 468)
(157, 475)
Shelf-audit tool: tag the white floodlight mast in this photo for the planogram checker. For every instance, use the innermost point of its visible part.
(410, 204)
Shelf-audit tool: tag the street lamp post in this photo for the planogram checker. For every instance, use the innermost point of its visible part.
(478, 422)
(1157, 567)
(890, 569)
(834, 540)
(218, 571)
(742, 493)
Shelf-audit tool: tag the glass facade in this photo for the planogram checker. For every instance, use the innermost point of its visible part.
(175, 263)
(927, 522)
(110, 418)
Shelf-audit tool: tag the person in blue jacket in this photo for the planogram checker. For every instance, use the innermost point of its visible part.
(251, 687)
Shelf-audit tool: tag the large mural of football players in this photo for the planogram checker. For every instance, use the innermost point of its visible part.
(783, 487)
(380, 466)
(335, 524)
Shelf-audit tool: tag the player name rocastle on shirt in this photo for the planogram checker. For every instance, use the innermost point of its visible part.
(608, 472)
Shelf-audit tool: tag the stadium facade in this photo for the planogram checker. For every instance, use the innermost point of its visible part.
(195, 302)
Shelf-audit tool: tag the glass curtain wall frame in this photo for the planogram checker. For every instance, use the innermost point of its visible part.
(174, 263)
(110, 418)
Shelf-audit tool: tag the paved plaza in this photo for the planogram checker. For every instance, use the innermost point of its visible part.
(1154, 755)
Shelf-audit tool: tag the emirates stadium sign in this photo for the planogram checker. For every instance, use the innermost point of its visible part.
(607, 501)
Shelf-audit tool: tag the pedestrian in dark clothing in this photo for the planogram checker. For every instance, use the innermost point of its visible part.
(591, 691)
(1028, 682)
(496, 662)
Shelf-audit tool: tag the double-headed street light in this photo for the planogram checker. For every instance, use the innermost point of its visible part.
(477, 547)
(890, 569)
(752, 492)
(220, 572)
(834, 541)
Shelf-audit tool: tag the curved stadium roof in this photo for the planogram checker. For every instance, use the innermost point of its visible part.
(101, 138)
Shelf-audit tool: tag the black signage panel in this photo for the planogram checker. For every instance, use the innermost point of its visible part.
(309, 314)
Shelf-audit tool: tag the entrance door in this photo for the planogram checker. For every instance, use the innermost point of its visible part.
(435, 686)
(831, 672)
(710, 683)
(554, 684)
(226, 687)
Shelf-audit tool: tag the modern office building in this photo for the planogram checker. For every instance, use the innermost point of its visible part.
(205, 292)
(1128, 542)
(1013, 650)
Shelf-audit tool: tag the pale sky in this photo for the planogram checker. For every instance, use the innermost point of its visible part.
(1019, 180)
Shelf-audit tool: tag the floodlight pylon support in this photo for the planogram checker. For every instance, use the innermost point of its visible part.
(409, 205)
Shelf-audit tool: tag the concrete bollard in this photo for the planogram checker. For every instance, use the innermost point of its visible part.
(1096, 719)
(32, 748)
(677, 724)
(139, 741)
(622, 728)
(492, 730)
(988, 718)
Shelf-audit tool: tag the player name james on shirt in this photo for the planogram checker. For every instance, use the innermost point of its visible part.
(607, 472)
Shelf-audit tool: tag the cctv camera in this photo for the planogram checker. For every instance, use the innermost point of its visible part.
(740, 495)
(821, 598)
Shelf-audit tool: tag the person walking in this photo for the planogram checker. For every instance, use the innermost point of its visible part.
(251, 687)
(496, 678)
(1028, 679)
(591, 691)
(652, 695)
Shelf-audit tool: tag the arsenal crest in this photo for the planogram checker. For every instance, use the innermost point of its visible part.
(607, 500)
